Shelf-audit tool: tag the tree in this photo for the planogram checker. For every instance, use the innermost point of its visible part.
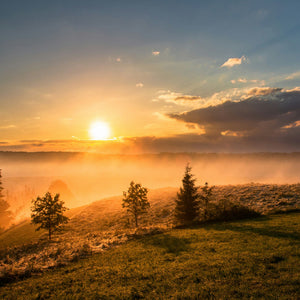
(206, 209)
(136, 201)
(5, 214)
(48, 213)
(186, 202)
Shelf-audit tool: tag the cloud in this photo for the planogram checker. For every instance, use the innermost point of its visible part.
(155, 53)
(292, 125)
(259, 91)
(179, 98)
(244, 80)
(139, 85)
(293, 76)
(231, 62)
(114, 59)
(268, 115)
(8, 126)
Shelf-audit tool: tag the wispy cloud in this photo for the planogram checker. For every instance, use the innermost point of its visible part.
(292, 125)
(293, 76)
(114, 59)
(179, 98)
(8, 126)
(260, 91)
(251, 81)
(233, 61)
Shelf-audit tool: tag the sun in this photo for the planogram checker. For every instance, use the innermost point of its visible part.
(99, 131)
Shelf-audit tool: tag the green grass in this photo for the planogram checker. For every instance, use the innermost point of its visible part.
(250, 259)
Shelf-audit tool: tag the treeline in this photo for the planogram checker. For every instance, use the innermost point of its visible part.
(193, 204)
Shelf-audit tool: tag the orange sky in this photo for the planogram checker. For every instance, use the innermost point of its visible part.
(201, 77)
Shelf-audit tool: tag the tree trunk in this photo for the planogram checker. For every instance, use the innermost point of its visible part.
(136, 220)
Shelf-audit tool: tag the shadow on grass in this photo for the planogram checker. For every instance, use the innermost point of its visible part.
(267, 230)
(168, 242)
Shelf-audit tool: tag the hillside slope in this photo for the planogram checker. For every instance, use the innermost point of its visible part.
(104, 224)
(257, 259)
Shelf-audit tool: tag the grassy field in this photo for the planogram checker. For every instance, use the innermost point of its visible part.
(20, 234)
(24, 232)
(250, 259)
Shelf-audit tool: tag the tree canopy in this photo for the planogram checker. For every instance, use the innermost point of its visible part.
(48, 213)
(135, 200)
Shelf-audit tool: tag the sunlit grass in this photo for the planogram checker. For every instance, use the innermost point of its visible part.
(254, 258)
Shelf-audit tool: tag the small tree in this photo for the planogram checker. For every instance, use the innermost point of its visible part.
(206, 209)
(48, 213)
(136, 201)
(186, 202)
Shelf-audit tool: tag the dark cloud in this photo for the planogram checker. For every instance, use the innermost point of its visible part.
(188, 98)
(270, 115)
(204, 143)
(287, 141)
(268, 120)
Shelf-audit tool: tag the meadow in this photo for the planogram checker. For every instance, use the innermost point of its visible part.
(249, 259)
(103, 224)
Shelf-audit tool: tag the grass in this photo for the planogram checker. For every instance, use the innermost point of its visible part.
(20, 234)
(258, 259)
(24, 232)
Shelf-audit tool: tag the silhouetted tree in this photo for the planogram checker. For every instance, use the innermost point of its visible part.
(186, 202)
(48, 213)
(206, 209)
(136, 201)
(5, 214)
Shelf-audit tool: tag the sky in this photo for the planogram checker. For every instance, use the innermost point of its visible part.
(165, 76)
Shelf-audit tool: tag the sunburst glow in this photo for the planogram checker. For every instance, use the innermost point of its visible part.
(99, 131)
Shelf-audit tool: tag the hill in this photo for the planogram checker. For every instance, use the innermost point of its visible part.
(250, 259)
(104, 224)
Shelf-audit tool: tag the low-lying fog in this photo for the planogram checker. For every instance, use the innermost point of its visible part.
(84, 178)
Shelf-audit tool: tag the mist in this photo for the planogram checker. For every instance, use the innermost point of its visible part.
(91, 177)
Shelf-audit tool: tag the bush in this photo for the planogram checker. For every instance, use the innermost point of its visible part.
(226, 210)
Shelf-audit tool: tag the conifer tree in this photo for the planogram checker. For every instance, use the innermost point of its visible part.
(186, 202)
(48, 213)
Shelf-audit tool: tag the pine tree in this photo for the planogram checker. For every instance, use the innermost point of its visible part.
(48, 213)
(186, 202)
(135, 200)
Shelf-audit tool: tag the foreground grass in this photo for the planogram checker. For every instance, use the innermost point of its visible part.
(254, 258)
